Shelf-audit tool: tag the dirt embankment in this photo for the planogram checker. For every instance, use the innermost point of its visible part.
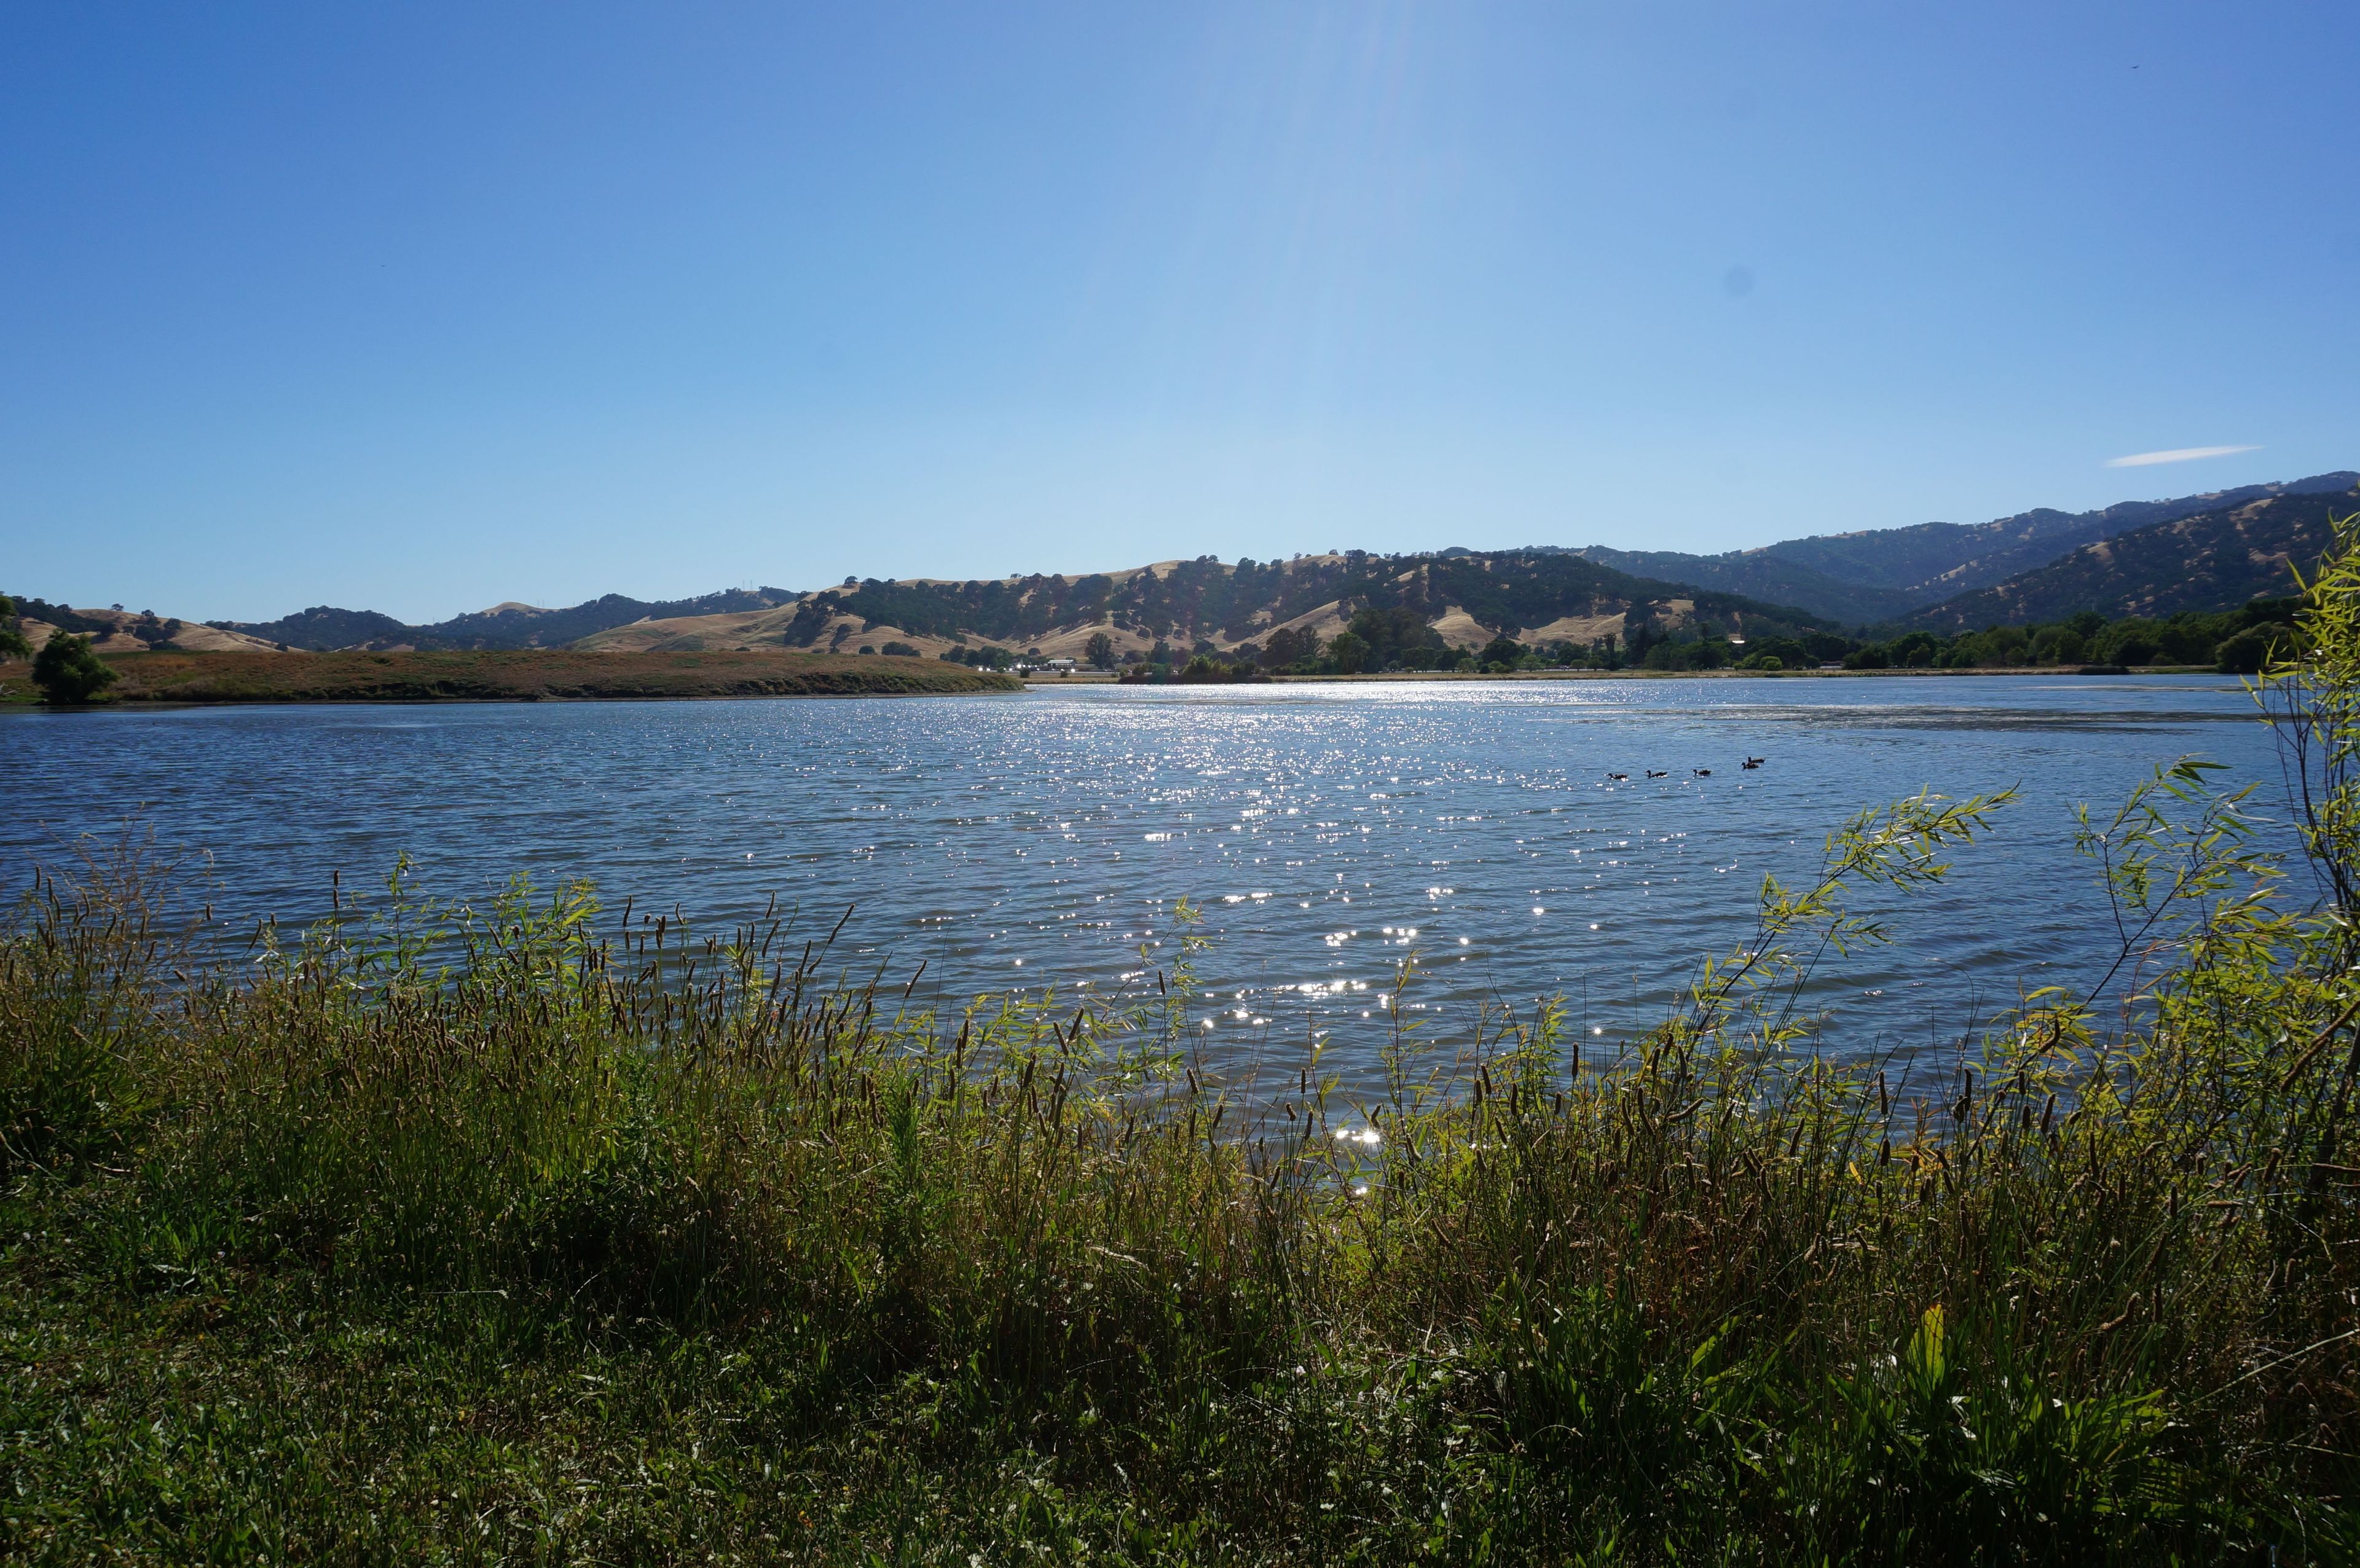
(530, 675)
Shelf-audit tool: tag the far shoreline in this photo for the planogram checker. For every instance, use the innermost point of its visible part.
(2093, 671)
(522, 675)
(172, 680)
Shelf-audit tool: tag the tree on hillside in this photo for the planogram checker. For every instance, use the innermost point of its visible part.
(1099, 651)
(1286, 646)
(67, 671)
(1348, 652)
(1396, 635)
(11, 641)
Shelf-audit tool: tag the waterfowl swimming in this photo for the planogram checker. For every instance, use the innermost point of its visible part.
(1657, 773)
(1751, 763)
(1701, 772)
(1617, 778)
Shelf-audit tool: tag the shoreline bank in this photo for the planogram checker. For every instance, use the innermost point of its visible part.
(566, 675)
(522, 675)
(1532, 675)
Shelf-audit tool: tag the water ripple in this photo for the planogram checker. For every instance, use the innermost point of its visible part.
(1329, 831)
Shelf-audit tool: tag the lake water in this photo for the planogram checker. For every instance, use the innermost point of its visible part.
(1329, 831)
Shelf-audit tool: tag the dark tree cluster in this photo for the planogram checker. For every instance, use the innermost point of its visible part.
(988, 656)
(2238, 641)
(60, 616)
(1013, 608)
(1193, 601)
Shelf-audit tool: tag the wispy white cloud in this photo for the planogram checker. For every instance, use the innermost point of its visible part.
(2178, 454)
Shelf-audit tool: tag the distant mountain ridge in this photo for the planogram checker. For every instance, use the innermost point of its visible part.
(2134, 558)
(1883, 574)
(2211, 561)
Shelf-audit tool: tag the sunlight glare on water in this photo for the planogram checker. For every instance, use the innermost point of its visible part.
(1328, 832)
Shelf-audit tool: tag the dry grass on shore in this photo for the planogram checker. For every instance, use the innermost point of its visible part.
(517, 1233)
(531, 674)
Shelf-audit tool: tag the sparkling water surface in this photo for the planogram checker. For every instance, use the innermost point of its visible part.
(1328, 831)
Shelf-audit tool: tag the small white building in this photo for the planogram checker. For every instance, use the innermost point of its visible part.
(1060, 666)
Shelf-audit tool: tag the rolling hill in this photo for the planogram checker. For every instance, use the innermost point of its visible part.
(124, 631)
(1458, 599)
(2214, 560)
(2202, 552)
(323, 627)
(1462, 599)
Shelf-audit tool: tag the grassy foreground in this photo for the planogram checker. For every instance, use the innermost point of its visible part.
(503, 675)
(533, 1233)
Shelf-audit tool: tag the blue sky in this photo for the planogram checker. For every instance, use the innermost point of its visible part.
(421, 308)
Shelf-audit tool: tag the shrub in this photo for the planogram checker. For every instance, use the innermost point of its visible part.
(67, 671)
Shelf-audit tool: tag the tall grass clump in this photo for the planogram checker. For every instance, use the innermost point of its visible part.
(533, 1232)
